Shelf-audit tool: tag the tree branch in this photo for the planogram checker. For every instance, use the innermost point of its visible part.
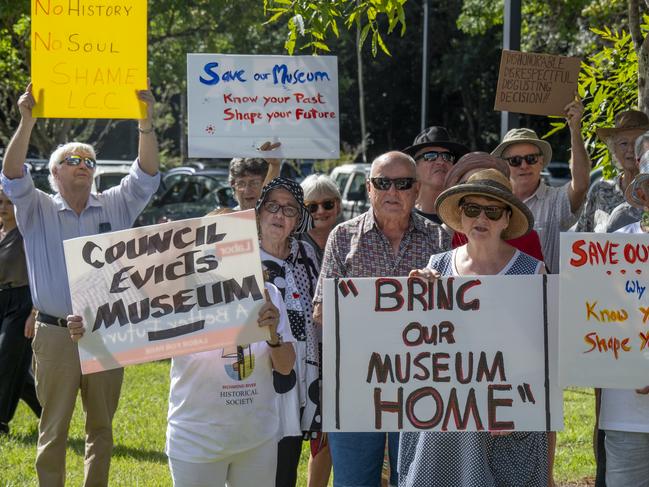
(634, 23)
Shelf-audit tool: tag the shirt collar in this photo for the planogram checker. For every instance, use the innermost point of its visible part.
(540, 192)
(62, 205)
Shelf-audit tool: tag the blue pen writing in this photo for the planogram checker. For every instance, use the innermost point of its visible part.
(214, 78)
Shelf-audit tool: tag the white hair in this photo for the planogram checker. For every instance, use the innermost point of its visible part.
(63, 151)
(319, 185)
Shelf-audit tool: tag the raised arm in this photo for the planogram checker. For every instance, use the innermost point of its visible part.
(580, 160)
(147, 150)
(12, 164)
(274, 164)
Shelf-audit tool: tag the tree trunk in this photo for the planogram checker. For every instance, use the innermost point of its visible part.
(642, 50)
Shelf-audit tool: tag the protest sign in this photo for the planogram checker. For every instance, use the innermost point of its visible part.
(235, 103)
(88, 58)
(604, 310)
(461, 354)
(539, 84)
(155, 292)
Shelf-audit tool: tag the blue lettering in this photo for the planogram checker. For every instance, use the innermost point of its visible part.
(633, 287)
(261, 76)
(282, 75)
(209, 69)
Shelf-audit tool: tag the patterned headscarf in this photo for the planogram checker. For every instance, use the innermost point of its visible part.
(305, 222)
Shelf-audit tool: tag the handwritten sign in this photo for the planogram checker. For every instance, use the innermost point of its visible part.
(539, 84)
(236, 103)
(155, 292)
(89, 58)
(604, 320)
(458, 355)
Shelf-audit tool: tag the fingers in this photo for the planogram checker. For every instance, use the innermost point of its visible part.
(428, 274)
(268, 146)
(75, 326)
(644, 390)
(267, 296)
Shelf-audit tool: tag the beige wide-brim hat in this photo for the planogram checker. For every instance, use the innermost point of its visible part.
(524, 136)
(625, 122)
(490, 183)
(631, 191)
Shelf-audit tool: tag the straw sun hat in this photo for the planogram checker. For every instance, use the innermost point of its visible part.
(489, 183)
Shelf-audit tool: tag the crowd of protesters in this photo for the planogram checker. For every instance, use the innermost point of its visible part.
(436, 209)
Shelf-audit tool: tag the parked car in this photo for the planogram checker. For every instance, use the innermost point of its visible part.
(110, 173)
(350, 179)
(172, 175)
(556, 173)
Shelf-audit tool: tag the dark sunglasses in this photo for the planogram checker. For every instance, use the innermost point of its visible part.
(76, 160)
(401, 184)
(313, 205)
(473, 210)
(288, 210)
(433, 155)
(516, 161)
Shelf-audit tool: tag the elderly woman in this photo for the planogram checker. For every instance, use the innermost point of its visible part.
(322, 199)
(486, 211)
(292, 265)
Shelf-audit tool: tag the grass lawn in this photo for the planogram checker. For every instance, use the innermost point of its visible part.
(139, 460)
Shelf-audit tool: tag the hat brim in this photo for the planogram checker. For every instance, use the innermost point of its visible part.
(521, 220)
(607, 132)
(458, 149)
(630, 192)
(544, 147)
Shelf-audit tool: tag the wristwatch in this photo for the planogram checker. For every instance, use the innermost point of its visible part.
(278, 343)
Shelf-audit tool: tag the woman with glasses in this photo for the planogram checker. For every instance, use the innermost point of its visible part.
(486, 211)
(292, 266)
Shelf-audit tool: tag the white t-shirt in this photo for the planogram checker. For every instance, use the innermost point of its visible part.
(625, 409)
(222, 402)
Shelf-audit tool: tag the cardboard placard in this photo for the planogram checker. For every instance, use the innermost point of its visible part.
(538, 84)
(235, 103)
(604, 310)
(155, 292)
(458, 355)
(89, 59)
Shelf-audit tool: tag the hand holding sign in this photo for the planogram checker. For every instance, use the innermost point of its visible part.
(269, 316)
(26, 103)
(76, 328)
(574, 111)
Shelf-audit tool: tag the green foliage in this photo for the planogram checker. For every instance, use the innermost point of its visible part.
(311, 22)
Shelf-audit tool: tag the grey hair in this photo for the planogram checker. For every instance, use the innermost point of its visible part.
(63, 151)
(319, 185)
(253, 166)
(640, 143)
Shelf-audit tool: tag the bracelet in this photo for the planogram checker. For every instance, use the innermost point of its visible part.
(277, 344)
(145, 131)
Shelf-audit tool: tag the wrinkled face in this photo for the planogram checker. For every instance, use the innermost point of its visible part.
(74, 178)
(624, 149)
(392, 203)
(432, 172)
(7, 214)
(481, 227)
(277, 227)
(525, 174)
(247, 190)
(327, 208)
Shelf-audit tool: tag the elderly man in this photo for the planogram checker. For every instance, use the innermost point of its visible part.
(45, 221)
(555, 209)
(605, 194)
(435, 154)
(388, 240)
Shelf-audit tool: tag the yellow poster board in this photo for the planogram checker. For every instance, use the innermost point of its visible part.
(89, 58)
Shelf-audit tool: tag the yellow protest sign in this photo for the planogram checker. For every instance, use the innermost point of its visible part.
(89, 58)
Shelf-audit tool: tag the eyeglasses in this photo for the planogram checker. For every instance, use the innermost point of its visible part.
(516, 161)
(473, 210)
(76, 160)
(243, 185)
(312, 206)
(433, 155)
(384, 184)
(287, 210)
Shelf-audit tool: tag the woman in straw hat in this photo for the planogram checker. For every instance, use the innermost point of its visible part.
(487, 212)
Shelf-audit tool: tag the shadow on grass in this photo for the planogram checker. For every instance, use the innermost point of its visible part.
(78, 446)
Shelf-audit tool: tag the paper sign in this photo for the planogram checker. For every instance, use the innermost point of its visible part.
(89, 58)
(236, 103)
(156, 292)
(462, 354)
(539, 84)
(604, 317)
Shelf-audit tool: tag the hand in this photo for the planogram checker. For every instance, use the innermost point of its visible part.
(269, 316)
(25, 104)
(644, 390)
(427, 274)
(269, 146)
(30, 324)
(574, 111)
(147, 97)
(75, 325)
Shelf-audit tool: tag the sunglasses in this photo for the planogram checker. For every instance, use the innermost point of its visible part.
(516, 161)
(433, 155)
(473, 210)
(326, 205)
(76, 160)
(288, 210)
(384, 184)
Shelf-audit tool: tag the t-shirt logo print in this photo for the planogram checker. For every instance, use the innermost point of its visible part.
(241, 364)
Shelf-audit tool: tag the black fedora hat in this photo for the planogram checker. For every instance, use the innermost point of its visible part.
(436, 136)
